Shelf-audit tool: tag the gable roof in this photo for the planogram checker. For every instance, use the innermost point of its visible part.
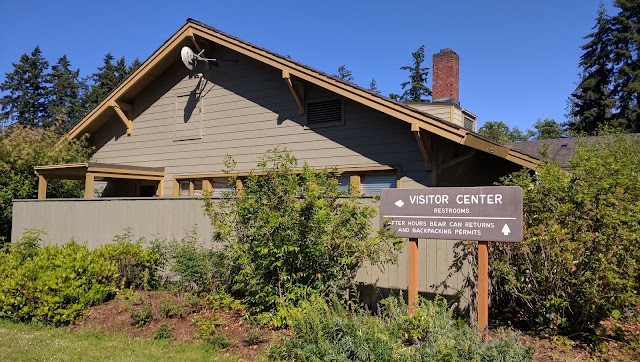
(559, 150)
(192, 31)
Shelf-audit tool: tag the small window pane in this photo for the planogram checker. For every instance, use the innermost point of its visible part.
(197, 188)
(184, 188)
(221, 187)
(344, 183)
(373, 184)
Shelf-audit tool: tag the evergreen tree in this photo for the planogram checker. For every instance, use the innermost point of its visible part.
(344, 74)
(373, 86)
(65, 106)
(417, 80)
(26, 101)
(106, 79)
(626, 30)
(591, 103)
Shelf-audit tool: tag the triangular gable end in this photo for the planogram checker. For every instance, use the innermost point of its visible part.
(118, 101)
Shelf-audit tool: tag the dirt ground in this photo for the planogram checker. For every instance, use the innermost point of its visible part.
(247, 340)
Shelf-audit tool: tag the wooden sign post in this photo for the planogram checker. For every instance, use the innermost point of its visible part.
(454, 213)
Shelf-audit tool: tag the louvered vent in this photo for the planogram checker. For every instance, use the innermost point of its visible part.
(469, 124)
(324, 112)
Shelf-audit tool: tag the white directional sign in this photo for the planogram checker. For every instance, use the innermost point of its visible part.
(491, 213)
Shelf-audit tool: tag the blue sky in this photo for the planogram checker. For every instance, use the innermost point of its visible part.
(518, 59)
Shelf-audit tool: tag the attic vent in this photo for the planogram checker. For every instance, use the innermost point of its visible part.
(469, 124)
(326, 112)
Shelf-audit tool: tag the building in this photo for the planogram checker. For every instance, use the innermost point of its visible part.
(161, 137)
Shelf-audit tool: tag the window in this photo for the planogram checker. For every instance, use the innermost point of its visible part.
(325, 112)
(221, 187)
(190, 187)
(373, 184)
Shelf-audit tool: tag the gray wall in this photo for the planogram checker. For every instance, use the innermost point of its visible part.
(97, 221)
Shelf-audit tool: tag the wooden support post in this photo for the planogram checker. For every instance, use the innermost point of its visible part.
(413, 274)
(88, 185)
(483, 286)
(42, 187)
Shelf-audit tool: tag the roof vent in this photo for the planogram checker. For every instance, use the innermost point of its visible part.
(325, 112)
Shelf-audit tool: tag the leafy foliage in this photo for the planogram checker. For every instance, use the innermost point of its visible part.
(138, 267)
(578, 263)
(290, 234)
(417, 80)
(142, 314)
(193, 267)
(54, 285)
(500, 132)
(22, 148)
(326, 331)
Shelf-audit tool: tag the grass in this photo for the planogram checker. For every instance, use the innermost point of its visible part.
(31, 343)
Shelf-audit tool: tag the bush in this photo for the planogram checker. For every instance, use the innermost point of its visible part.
(290, 234)
(138, 267)
(170, 307)
(142, 314)
(327, 331)
(163, 333)
(194, 267)
(54, 284)
(578, 263)
(208, 332)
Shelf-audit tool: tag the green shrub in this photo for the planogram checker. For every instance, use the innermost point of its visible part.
(327, 331)
(578, 263)
(138, 267)
(54, 284)
(292, 233)
(163, 333)
(142, 314)
(194, 267)
(208, 332)
(170, 307)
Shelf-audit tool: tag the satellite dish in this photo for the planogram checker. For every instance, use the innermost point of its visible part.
(190, 59)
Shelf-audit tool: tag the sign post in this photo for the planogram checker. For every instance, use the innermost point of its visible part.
(491, 213)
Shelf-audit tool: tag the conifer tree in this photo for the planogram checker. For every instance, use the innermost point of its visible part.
(65, 105)
(106, 79)
(344, 74)
(417, 80)
(26, 86)
(373, 86)
(626, 29)
(591, 102)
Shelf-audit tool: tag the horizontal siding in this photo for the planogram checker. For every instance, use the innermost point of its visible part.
(98, 221)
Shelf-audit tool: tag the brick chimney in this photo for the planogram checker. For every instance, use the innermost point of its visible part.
(446, 76)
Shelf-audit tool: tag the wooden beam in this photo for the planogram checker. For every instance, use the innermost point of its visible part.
(88, 185)
(296, 89)
(42, 187)
(195, 42)
(412, 292)
(160, 189)
(354, 182)
(426, 154)
(127, 122)
(483, 286)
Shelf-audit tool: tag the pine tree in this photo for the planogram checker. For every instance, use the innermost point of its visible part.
(26, 101)
(64, 93)
(626, 29)
(591, 103)
(344, 74)
(106, 79)
(373, 86)
(417, 80)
